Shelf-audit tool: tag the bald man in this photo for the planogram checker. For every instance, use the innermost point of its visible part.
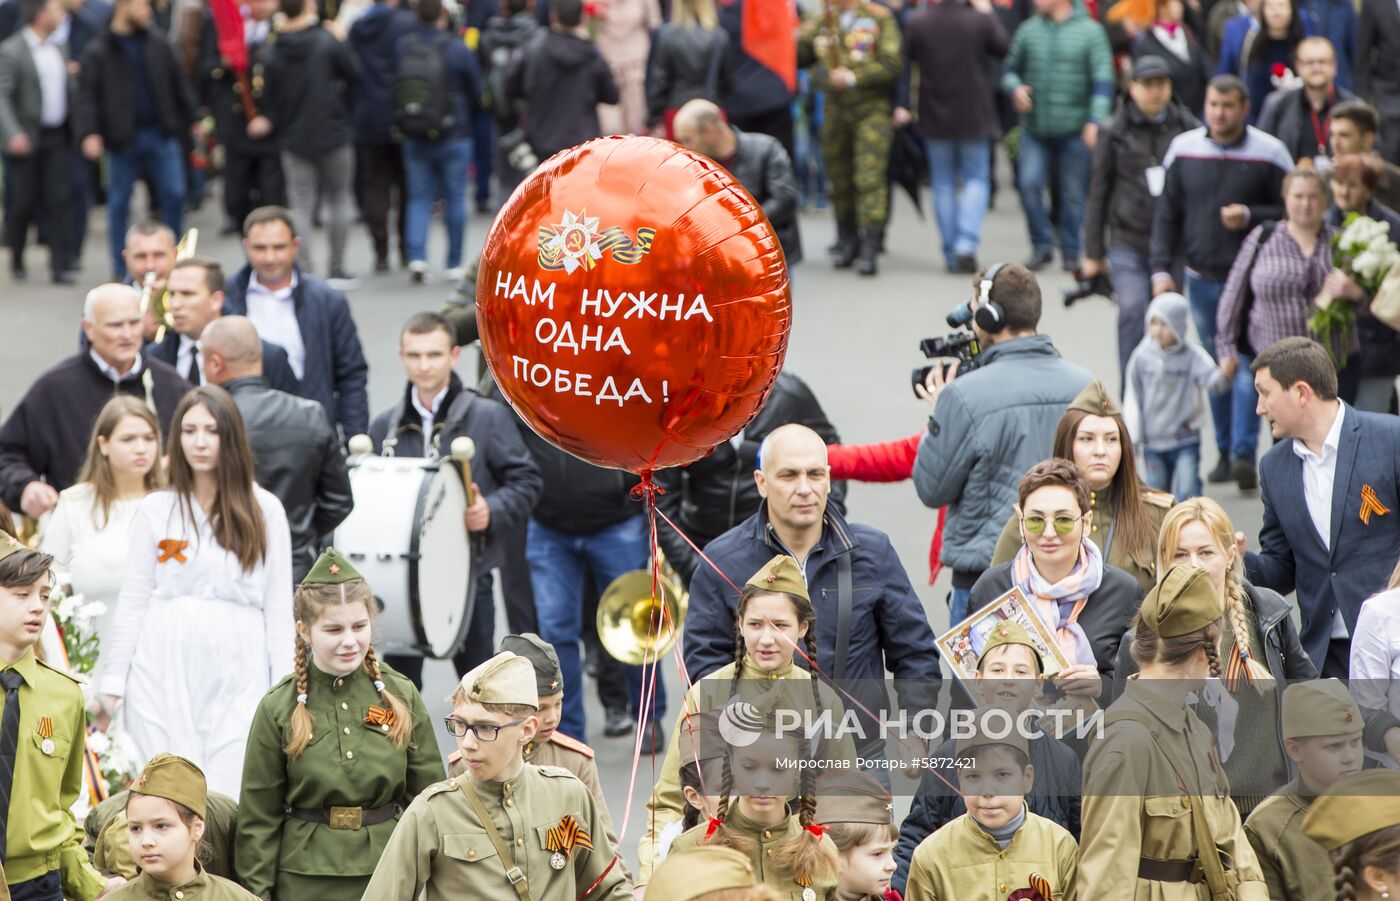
(45, 437)
(296, 453)
(757, 161)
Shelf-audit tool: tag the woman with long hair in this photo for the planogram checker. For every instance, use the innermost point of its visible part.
(1357, 822)
(203, 626)
(689, 61)
(1262, 50)
(88, 531)
(1127, 514)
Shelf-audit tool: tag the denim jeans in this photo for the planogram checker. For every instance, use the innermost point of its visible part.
(1244, 416)
(1177, 471)
(960, 212)
(436, 169)
(150, 151)
(1204, 297)
(557, 560)
(1067, 160)
(958, 601)
(1132, 291)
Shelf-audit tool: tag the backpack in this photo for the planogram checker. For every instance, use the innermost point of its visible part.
(422, 96)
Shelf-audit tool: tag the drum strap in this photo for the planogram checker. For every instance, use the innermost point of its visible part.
(843, 614)
(513, 873)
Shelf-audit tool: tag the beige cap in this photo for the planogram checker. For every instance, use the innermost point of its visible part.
(693, 872)
(504, 679)
(175, 779)
(1182, 603)
(781, 574)
(1354, 806)
(1320, 707)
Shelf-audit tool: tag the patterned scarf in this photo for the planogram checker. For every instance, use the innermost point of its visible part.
(1059, 605)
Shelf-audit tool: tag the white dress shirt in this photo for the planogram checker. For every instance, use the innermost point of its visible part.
(111, 371)
(1319, 474)
(189, 349)
(1176, 41)
(53, 78)
(426, 417)
(274, 315)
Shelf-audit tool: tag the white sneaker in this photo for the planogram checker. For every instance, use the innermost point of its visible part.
(418, 271)
(455, 274)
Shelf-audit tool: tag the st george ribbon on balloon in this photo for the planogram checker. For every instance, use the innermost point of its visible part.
(633, 303)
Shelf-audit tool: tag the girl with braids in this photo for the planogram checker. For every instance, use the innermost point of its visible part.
(702, 752)
(336, 751)
(773, 620)
(203, 624)
(1357, 821)
(1260, 651)
(1157, 813)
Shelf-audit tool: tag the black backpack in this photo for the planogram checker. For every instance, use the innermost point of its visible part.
(422, 96)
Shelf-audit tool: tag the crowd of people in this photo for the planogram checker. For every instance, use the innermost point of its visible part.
(191, 463)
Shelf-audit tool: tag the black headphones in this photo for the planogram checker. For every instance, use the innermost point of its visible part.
(990, 317)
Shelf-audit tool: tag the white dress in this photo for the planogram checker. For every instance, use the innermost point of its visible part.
(194, 645)
(1374, 671)
(91, 556)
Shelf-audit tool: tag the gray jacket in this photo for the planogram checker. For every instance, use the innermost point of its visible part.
(990, 426)
(21, 102)
(762, 166)
(1162, 405)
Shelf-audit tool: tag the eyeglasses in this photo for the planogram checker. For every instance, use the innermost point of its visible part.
(1063, 524)
(483, 731)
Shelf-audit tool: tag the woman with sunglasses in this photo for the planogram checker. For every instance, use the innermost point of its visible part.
(1085, 602)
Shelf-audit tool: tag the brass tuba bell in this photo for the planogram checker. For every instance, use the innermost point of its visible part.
(630, 624)
(157, 300)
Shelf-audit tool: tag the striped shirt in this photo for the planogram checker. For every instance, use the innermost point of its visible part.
(1284, 283)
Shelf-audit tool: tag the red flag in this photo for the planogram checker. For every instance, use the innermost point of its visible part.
(770, 36)
(228, 22)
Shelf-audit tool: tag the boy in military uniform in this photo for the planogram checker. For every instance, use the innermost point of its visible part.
(106, 832)
(42, 729)
(857, 47)
(1322, 730)
(507, 825)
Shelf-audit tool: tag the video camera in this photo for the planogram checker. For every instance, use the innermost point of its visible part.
(961, 346)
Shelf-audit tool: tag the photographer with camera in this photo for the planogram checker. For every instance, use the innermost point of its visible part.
(991, 425)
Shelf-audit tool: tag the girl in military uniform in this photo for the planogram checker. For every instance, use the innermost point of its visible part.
(336, 750)
(165, 822)
(858, 813)
(1157, 812)
(773, 618)
(1357, 821)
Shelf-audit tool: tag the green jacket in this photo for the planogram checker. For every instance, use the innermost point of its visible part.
(350, 762)
(866, 41)
(205, 887)
(1069, 68)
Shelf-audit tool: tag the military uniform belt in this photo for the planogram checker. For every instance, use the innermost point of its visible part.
(1168, 870)
(345, 817)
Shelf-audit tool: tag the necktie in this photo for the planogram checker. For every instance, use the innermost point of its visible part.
(193, 374)
(9, 746)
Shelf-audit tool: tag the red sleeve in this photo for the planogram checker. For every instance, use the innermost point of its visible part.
(886, 461)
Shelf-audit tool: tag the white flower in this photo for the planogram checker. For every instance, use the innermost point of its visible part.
(83, 619)
(67, 607)
(98, 743)
(121, 755)
(1366, 264)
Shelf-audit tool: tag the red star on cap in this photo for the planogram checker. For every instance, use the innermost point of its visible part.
(335, 569)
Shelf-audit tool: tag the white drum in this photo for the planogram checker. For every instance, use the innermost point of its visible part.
(408, 537)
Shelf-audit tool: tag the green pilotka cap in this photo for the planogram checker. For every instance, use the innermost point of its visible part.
(695, 872)
(781, 574)
(1354, 806)
(1320, 707)
(331, 569)
(1182, 603)
(846, 796)
(540, 653)
(1095, 400)
(1010, 632)
(9, 544)
(174, 779)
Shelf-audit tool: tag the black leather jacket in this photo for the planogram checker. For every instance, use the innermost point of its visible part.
(716, 493)
(296, 456)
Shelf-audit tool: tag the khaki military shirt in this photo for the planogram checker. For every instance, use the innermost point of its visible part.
(204, 887)
(42, 835)
(764, 839)
(1295, 867)
(351, 762)
(866, 41)
(441, 846)
(111, 852)
(961, 862)
(1136, 805)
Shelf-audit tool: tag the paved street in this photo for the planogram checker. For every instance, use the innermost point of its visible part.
(854, 340)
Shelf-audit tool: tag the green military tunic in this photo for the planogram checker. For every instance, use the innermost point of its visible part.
(790, 690)
(1295, 867)
(1139, 788)
(41, 835)
(351, 762)
(204, 887)
(856, 131)
(441, 846)
(961, 862)
(105, 828)
(1140, 563)
(764, 838)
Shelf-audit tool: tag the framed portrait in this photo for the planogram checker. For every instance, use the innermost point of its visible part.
(963, 644)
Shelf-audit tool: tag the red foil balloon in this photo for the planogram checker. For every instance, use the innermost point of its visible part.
(633, 303)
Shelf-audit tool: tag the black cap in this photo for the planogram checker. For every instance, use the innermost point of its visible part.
(1145, 67)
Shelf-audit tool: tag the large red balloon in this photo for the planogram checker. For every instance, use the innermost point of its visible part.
(633, 303)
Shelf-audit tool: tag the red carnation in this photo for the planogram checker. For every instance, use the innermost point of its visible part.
(1280, 70)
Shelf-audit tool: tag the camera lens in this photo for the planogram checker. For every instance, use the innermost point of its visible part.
(961, 315)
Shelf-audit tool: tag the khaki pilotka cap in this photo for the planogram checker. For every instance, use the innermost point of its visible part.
(331, 569)
(1096, 400)
(693, 872)
(1014, 739)
(1182, 603)
(9, 544)
(849, 796)
(174, 779)
(540, 653)
(1354, 806)
(1320, 707)
(1010, 632)
(781, 574)
(504, 679)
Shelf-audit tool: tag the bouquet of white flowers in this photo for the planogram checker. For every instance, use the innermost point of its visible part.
(1364, 251)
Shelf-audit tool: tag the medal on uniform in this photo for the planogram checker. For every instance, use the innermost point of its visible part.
(808, 893)
(557, 860)
(46, 733)
(563, 838)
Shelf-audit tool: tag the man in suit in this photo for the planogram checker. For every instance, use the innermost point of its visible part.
(196, 298)
(36, 105)
(1331, 505)
(1377, 68)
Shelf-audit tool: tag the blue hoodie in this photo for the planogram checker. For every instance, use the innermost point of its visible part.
(1163, 398)
(375, 39)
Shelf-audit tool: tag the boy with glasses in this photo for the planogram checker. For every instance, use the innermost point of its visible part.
(554, 844)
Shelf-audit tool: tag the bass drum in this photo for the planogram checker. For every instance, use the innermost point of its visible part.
(408, 537)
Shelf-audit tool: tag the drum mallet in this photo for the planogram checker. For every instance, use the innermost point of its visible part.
(463, 449)
(361, 445)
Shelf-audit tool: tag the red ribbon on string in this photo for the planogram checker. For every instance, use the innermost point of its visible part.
(715, 823)
(817, 829)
